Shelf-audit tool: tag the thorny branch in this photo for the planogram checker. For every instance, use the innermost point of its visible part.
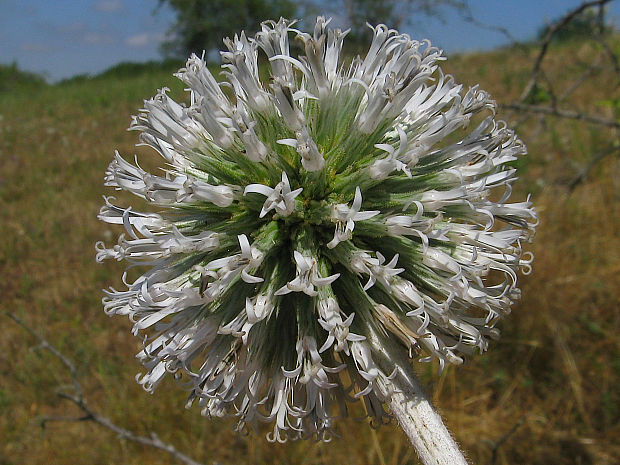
(468, 15)
(596, 65)
(78, 398)
(562, 114)
(583, 174)
(544, 46)
(537, 74)
(538, 77)
(495, 445)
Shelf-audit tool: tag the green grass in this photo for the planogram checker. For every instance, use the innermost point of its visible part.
(556, 367)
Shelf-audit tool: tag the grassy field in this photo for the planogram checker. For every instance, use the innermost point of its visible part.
(554, 375)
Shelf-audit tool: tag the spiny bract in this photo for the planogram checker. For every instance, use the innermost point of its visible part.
(312, 226)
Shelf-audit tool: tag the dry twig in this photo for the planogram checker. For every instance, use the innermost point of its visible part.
(544, 46)
(569, 114)
(495, 445)
(583, 174)
(469, 16)
(90, 414)
(538, 77)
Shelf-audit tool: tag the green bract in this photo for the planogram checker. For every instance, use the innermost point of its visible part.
(312, 227)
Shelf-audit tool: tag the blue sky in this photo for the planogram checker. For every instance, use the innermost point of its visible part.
(62, 38)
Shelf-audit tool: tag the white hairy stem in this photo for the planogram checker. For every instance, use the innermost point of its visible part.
(412, 408)
(424, 426)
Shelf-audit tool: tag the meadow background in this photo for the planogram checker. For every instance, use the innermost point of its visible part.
(548, 389)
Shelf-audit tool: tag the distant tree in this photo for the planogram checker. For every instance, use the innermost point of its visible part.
(202, 24)
(583, 25)
(396, 14)
(12, 78)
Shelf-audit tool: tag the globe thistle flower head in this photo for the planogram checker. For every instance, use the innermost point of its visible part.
(313, 227)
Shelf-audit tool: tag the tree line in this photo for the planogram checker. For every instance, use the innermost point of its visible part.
(201, 24)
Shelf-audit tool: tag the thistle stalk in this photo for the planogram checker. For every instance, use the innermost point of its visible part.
(423, 425)
(414, 411)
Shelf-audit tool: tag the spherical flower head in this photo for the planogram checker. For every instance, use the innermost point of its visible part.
(316, 225)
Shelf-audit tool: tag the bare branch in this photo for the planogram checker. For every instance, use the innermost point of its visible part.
(547, 40)
(610, 53)
(468, 16)
(43, 344)
(527, 110)
(583, 174)
(600, 38)
(581, 79)
(45, 420)
(495, 445)
(89, 414)
(538, 74)
(569, 114)
(538, 77)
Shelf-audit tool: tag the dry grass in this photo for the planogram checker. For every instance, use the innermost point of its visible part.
(555, 371)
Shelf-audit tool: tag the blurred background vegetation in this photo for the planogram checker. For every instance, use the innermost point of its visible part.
(546, 393)
(201, 24)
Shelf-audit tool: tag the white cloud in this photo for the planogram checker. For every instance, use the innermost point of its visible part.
(138, 40)
(109, 6)
(96, 38)
(79, 32)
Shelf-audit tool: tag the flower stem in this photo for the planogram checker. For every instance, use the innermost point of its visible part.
(412, 408)
(421, 422)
